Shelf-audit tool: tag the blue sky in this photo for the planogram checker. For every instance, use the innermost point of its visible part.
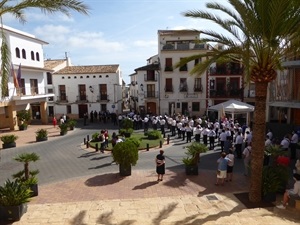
(120, 32)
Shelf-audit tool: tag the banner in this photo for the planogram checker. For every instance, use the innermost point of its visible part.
(13, 74)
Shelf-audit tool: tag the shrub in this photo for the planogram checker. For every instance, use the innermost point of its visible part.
(125, 153)
(154, 135)
(95, 137)
(41, 133)
(10, 138)
(135, 141)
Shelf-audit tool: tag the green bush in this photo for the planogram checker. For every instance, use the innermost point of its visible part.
(154, 135)
(95, 137)
(127, 124)
(135, 141)
(125, 153)
(10, 138)
(41, 133)
(123, 131)
(193, 153)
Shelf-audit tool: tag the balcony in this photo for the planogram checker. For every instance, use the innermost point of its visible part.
(62, 99)
(168, 69)
(183, 88)
(30, 93)
(81, 98)
(225, 71)
(151, 94)
(198, 88)
(178, 46)
(148, 77)
(168, 88)
(102, 98)
(234, 93)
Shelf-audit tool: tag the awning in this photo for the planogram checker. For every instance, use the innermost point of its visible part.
(294, 105)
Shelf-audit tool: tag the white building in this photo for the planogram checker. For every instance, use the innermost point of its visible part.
(30, 92)
(179, 91)
(82, 89)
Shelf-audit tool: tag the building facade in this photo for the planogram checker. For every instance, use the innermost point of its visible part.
(26, 84)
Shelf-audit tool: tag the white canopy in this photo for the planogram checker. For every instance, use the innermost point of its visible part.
(233, 106)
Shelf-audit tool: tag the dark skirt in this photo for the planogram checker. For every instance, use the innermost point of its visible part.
(229, 169)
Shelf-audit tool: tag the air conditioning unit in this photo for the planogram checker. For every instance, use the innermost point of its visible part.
(252, 93)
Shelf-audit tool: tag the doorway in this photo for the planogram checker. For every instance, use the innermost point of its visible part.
(82, 109)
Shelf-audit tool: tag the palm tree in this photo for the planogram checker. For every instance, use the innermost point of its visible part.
(17, 9)
(259, 34)
(26, 158)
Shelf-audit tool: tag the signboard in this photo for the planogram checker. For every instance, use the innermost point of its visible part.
(113, 106)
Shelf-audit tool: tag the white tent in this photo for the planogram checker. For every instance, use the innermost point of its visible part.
(232, 106)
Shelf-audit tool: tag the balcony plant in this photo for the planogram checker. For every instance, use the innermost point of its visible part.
(63, 128)
(14, 197)
(192, 158)
(24, 116)
(9, 140)
(126, 155)
(41, 135)
(26, 176)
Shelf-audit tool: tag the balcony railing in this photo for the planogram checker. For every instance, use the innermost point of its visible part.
(81, 98)
(183, 88)
(198, 88)
(225, 71)
(150, 77)
(226, 93)
(151, 94)
(29, 91)
(184, 46)
(62, 98)
(102, 97)
(168, 88)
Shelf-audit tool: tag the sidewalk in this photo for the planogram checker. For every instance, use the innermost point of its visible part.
(140, 200)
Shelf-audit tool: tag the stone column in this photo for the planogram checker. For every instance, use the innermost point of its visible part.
(43, 112)
(12, 117)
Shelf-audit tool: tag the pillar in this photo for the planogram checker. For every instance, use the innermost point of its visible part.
(43, 112)
(12, 117)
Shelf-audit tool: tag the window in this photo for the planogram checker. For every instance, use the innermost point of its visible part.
(37, 56)
(82, 92)
(23, 54)
(195, 106)
(34, 86)
(50, 91)
(184, 67)
(150, 76)
(197, 61)
(103, 107)
(18, 53)
(49, 78)
(183, 85)
(103, 92)
(32, 55)
(62, 93)
(69, 109)
(197, 85)
(169, 85)
(22, 86)
(169, 64)
(151, 91)
(50, 111)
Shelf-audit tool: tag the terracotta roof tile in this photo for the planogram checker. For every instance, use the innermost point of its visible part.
(52, 63)
(88, 69)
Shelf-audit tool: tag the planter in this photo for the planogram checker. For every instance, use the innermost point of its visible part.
(125, 170)
(269, 197)
(191, 169)
(71, 128)
(34, 189)
(63, 133)
(13, 213)
(9, 145)
(39, 139)
(22, 127)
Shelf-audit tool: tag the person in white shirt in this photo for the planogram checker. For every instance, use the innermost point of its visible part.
(211, 134)
(174, 127)
(188, 130)
(268, 142)
(238, 145)
(285, 143)
(197, 133)
(247, 159)
(204, 135)
(230, 165)
(179, 126)
(270, 134)
(293, 145)
(154, 123)
(162, 123)
(146, 123)
(222, 138)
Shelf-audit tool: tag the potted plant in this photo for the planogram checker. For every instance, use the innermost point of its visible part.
(13, 200)
(153, 134)
(127, 125)
(41, 135)
(193, 157)
(9, 140)
(63, 128)
(71, 123)
(23, 116)
(126, 155)
(27, 176)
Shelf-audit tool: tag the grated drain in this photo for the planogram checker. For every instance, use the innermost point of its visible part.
(211, 197)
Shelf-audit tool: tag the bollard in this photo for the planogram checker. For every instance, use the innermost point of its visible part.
(160, 144)
(88, 138)
(147, 147)
(84, 142)
(97, 148)
(164, 135)
(168, 139)
(87, 144)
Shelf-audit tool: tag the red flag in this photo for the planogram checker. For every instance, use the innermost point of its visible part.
(13, 74)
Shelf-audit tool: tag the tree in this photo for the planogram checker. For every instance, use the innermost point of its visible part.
(18, 11)
(258, 34)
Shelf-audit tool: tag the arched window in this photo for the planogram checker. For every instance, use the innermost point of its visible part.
(37, 56)
(17, 52)
(32, 55)
(23, 54)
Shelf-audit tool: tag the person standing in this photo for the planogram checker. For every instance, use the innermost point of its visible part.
(238, 145)
(222, 169)
(54, 121)
(92, 116)
(204, 135)
(247, 159)
(222, 138)
(230, 165)
(188, 130)
(293, 145)
(211, 134)
(160, 165)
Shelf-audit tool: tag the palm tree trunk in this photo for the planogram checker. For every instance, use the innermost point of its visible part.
(258, 142)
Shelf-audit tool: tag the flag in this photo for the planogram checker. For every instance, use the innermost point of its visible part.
(19, 75)
(13, 74)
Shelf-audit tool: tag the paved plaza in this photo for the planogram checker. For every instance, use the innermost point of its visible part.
(80, 187)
